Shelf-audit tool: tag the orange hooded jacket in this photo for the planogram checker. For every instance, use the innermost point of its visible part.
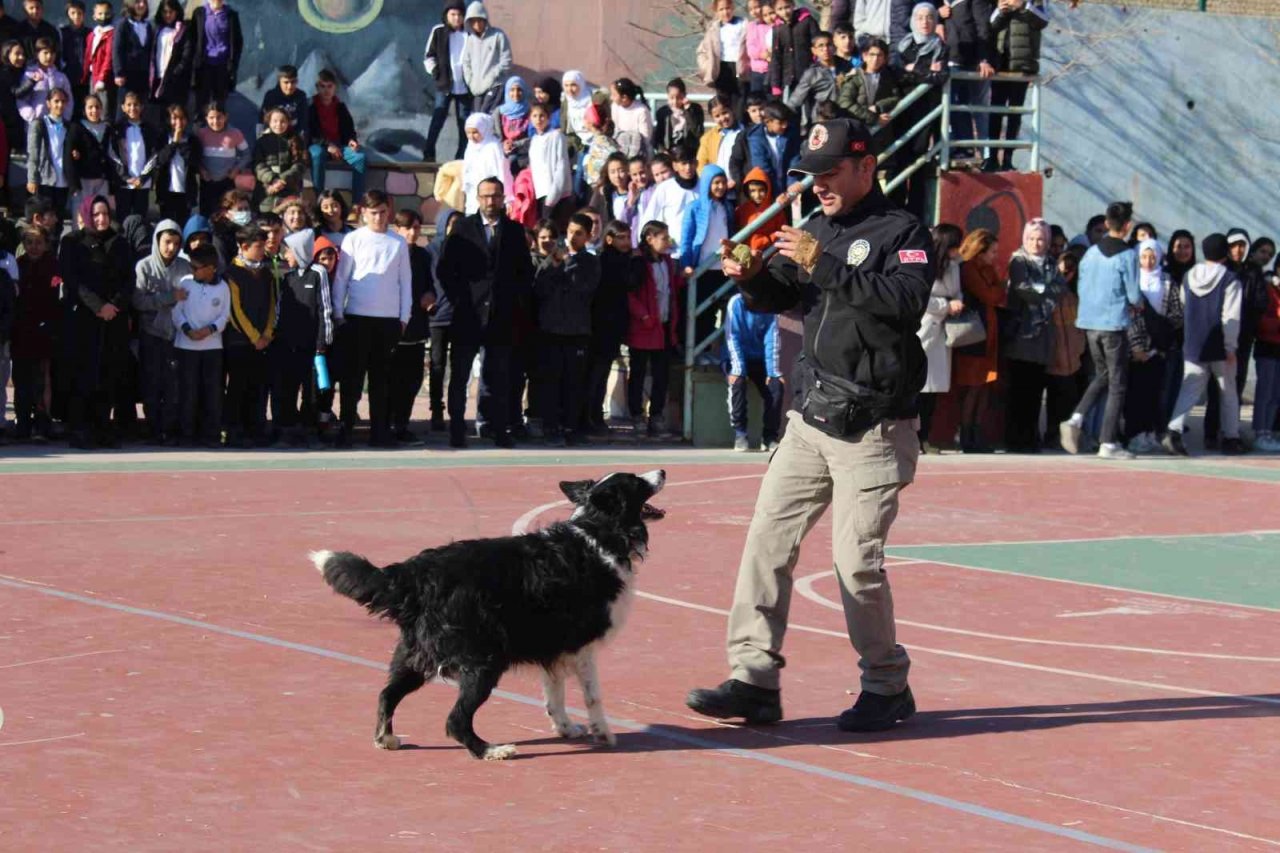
(749, 210)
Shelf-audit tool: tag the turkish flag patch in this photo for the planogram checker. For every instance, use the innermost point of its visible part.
(913, 256)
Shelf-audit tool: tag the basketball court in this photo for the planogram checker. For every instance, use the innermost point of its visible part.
(1096, 658)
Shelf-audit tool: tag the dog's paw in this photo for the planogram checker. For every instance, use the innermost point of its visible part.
(387, 741)
(569, 730)
(603, 735)
(499, 752)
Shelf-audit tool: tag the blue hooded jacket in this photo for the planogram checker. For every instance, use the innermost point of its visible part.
(749, 336)
(698, 217)
(758, 144)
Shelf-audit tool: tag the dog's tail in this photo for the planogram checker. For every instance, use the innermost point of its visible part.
(355, 577)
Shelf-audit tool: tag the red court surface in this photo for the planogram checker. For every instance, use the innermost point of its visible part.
(174, 674)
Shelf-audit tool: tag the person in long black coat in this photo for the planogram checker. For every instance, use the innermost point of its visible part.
(97, 273)
(486, 271)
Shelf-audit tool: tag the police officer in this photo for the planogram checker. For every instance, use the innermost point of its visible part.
(861, 272)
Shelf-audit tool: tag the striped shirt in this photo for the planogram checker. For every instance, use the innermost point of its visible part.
(223, 151)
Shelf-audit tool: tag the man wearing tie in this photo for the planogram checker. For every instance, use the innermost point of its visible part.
(486, 272)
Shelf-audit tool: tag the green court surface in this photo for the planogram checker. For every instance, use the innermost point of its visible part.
(1232, 569)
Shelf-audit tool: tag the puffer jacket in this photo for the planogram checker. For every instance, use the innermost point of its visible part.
(1034, 289)
(1018, 37)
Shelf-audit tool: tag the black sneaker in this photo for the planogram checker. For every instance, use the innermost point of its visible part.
(1172, 443)
(875, 713)
(733, 698)
(1233, 447)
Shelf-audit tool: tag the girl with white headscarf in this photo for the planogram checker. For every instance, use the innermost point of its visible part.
(484, 159)
(573, 110)
(1154, 339)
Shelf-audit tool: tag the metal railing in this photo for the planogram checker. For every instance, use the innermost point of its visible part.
(939, 116)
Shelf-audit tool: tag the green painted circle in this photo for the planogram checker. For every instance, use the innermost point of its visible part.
(313, 16)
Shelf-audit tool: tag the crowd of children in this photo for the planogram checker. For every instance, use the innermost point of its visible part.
(245, 313)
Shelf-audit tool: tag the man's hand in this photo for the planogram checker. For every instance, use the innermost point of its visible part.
(944, 11)
(799, 246)
(427, 302)
(733, 267)
(31, 189)
(986, 70)
(108, 312)
(884, 119)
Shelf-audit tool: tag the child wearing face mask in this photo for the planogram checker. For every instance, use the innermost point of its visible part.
(96, 73)
(235, 211)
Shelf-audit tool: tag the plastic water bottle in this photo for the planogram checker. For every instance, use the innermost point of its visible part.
(322, 372)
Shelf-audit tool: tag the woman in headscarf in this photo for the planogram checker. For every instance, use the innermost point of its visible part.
(484, 159)
(573, 109)
(548, 92)
(922, 52)
(1178, 262)
(922, 55)
(1155, 338)
(1034, 288)
(511, 122)
(97, 270)
(600, 146)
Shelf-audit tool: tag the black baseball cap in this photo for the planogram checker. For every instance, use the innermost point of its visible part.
(828, 143)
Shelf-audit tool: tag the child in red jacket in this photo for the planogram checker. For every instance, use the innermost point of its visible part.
(654, 327)
(97, 58)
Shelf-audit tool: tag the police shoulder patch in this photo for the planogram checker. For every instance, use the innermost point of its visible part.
(858, 252)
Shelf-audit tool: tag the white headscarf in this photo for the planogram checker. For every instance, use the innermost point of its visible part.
(575, 122)
(921, 38)
(483, 160)
(1153, 283)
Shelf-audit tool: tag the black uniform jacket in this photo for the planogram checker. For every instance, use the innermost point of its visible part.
(863, 303)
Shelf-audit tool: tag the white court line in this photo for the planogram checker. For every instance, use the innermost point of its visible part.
(1074, 673)
(40, 740)
(804, 586)
(61, 657)
(521, 526)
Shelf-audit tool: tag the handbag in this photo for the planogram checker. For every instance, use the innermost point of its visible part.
(964, 329)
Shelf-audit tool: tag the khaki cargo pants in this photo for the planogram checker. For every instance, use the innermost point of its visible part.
(809, 471)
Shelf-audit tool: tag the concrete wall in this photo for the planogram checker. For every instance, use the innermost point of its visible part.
(1173, 110)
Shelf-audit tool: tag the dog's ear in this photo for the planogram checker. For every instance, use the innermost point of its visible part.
(576, 490)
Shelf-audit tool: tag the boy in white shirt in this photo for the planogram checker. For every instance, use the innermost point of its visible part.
(199, 317)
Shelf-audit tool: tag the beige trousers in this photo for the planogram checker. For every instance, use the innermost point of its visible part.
(809, 471)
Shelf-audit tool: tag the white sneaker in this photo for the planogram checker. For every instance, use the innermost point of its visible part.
(1069, 436)
(1113, 451)
(740, 444)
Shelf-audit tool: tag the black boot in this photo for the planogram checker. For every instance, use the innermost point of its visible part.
(875, 713)
(735, 698)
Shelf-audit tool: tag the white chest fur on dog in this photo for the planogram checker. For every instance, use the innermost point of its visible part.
(620, 607)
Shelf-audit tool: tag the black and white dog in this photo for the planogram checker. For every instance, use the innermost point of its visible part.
(471, 610)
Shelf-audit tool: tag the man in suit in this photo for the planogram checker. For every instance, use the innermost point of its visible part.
(486, 271)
